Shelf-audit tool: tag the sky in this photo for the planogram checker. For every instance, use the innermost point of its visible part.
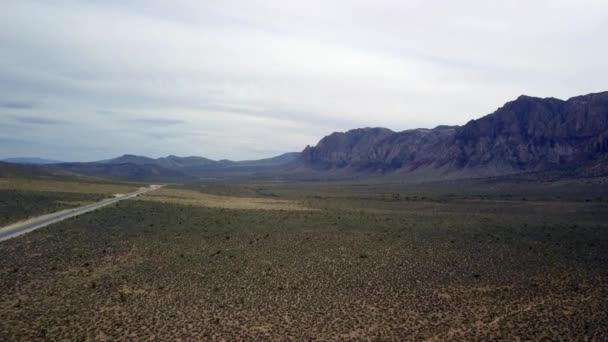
(87, 80)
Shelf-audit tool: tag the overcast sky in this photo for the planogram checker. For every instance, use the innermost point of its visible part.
(241, 79)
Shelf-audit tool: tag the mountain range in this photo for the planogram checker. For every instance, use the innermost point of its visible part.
(133, 167)
(526, 135)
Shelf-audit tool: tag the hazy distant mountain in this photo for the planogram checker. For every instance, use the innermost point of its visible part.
(133, 167)
(32, 161)
(527, 134)
(127, 171)
(193, 162)
(169, 162)
(279, 160)
(128, 159)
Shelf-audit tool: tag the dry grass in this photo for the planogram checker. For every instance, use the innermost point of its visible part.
(195, 198)
(51, 185)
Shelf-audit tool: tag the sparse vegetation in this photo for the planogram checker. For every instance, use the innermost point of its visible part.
(22, 198)
(66, 185)
(20, 205)
(365, 265)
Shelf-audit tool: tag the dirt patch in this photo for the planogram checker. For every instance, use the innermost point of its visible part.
(195, 198)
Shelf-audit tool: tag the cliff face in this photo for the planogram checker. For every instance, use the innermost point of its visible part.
(354, 148)
(527, 134)
(531, 133)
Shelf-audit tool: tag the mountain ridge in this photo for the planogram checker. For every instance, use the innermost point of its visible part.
(171, 167)
(527, 134)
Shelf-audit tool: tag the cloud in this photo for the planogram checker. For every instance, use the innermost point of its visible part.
(241, 77)
(37, 120)
(17, 105)
(105, 112)
(12, 141)
(155, 121)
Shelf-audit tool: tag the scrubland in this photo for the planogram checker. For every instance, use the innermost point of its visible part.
(22, 198)
(315, 262)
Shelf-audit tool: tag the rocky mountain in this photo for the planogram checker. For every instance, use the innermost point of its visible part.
(527, 134)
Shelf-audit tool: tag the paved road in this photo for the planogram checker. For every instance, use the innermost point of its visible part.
(20, 228)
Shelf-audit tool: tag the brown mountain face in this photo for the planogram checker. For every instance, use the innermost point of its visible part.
(528, 134)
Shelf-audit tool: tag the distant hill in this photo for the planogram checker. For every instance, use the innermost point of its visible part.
(32, 161)
(279, 160)
(170, 162)
(528, 134)
(171, 168)
(125, 171)
(29, 171)
(23, 170)
(175, 162)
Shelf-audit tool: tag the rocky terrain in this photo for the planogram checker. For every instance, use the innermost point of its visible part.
(525, 135)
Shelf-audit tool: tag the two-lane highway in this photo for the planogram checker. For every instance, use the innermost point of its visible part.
(23, 227)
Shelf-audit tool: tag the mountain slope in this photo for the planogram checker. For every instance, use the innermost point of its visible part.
(531, 133)
(527, 134)
(279, 160)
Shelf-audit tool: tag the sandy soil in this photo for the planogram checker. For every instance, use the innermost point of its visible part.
(195, 198)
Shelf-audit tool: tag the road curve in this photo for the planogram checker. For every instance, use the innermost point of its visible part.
(23, 227)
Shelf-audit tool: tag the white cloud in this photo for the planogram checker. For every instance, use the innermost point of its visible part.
(251, 77)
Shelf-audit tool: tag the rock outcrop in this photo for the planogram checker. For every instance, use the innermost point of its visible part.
(527, 134)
